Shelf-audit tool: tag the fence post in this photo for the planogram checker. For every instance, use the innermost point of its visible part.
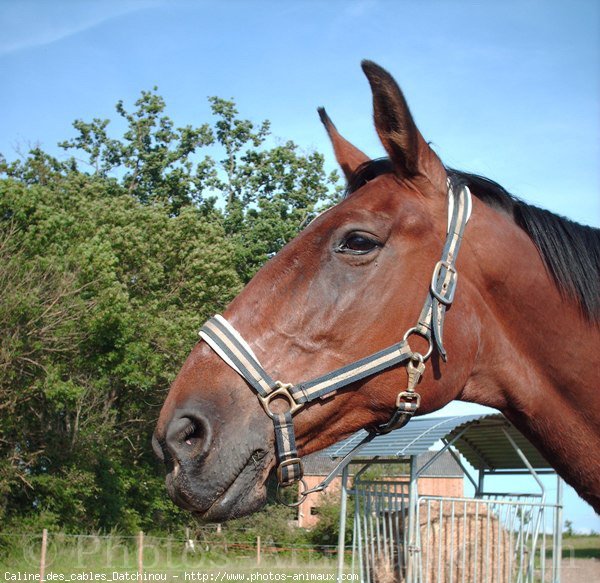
(189, 544)
(141, 553)
(257, 551)
(342, 533)
(413, 527)
(43, 555)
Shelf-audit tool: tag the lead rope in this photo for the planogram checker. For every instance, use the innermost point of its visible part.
(230, 346)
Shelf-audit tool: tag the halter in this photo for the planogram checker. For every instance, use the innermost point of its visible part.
(227, 343)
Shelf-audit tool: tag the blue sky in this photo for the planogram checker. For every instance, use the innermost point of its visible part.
(510, 90)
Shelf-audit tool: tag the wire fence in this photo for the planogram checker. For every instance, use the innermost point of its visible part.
(48, 554)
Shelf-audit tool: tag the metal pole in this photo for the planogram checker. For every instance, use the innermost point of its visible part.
(355, 548)
(480, 483)
(440, 452)
(361, 529)
(459, 462)
(557, 554)
(537, 525)
(412, 527)
(342, 533)
(526, 462)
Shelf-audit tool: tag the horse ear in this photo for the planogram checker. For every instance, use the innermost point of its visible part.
(409, 152)
(349, 157)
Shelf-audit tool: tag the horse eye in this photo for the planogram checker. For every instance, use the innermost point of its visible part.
(358, 244)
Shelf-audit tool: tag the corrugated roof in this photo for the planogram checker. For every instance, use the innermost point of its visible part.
(445, 466)
(318, 464)
(483, 443)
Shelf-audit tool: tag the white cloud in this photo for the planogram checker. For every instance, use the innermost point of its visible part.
(34, 23)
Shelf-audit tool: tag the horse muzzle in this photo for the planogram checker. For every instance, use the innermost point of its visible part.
(214, 473)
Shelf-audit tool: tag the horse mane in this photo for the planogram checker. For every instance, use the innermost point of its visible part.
(570, 251)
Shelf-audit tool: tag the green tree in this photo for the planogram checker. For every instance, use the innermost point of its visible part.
(327, 529)
(109, 263)
(153, 158)
(267, 194)
(270, 193)
(101, 298)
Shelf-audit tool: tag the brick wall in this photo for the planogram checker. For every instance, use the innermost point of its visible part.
(428, 486)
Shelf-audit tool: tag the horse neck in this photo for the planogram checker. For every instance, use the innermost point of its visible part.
(538, 359)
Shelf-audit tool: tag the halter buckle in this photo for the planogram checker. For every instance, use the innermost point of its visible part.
(282, 391)
(414, 399)
(289, 462)
(446, 296)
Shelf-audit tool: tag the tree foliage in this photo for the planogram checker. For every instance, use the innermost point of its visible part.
(266, 194)
(326, 531)
(109, 262)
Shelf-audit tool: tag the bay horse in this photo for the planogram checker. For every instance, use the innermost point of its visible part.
(372, 281)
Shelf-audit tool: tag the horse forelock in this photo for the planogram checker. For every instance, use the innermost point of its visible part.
(570, 251)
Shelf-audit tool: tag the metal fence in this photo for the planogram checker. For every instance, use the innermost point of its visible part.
(453, 540)
(380, 539)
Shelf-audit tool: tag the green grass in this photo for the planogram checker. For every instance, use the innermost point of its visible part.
(70, 555)
(581, 547)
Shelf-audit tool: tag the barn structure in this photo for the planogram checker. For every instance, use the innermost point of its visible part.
(443, 477)
(402, 533)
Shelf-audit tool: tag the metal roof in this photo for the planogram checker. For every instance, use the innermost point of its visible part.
(483, 443)
(445, 466)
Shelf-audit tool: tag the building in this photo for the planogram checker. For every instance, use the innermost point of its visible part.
(443, 478)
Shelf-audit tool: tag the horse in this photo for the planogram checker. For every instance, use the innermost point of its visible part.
(362, 285)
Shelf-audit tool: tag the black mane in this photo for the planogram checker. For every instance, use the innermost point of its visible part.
(570, 251)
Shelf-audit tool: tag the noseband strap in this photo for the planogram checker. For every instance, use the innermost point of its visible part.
(222, 337)
(226, 341)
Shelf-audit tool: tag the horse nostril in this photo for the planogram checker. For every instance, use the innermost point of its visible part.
(193, 434)
(188, 436)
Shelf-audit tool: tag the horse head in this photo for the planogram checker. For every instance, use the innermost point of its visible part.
(352, 283)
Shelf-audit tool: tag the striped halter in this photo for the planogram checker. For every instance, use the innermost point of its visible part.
(227, 343)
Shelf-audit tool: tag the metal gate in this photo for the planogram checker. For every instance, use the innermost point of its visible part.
(452, 540)
(380, 536)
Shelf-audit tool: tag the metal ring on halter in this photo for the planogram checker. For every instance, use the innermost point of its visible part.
(282, 391)
(302, 494)
(415, 330)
